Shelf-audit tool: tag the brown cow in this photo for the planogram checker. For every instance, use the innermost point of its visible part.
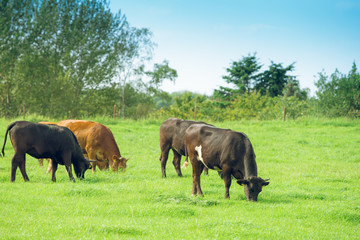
(172, 132)
(97, 141)
(223, 150)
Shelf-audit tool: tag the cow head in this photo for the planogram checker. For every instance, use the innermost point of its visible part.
(80, 168)
(253, 186)
(119, 163)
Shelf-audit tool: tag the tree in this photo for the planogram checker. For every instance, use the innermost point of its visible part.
(242, 74)
(273, 81)
(245, 76)
(15, 21)
(292, 88)
(160, 73)
(133, 47)
(53, 54)
(339, 94)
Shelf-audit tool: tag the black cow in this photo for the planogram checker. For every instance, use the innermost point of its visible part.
(223, 150)
(172, 132)
(45, 141)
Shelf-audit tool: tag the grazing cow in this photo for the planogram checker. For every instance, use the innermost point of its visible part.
(172, 132)
(98, 142)
(45, 141)
(41, 160)
(223, 150)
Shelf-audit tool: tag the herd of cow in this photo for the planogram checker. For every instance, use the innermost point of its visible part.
(86, 144)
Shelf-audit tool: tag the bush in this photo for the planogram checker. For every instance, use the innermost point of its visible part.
(248, 106)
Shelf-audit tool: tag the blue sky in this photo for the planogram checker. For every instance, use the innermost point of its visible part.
(200, 39)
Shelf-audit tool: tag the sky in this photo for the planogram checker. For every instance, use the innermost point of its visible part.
(201, 38)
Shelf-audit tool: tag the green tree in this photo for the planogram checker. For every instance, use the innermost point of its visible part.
(273, 81)
(15, 22)
(87, 40)
(339, 94)
(133, 47)
(53, 54)
(241, 74)
(292, 88)
(160, 73)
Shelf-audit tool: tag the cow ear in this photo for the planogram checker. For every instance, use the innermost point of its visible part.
(242, 182)
(114, 158)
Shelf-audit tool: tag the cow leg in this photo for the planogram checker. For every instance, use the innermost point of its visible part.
(163, 159)
(227, 180)
(206, 171)
(92, 155)
(197, 170)
(54, 168)
(67, 162)
(176, 162)
(23, 170)
(69, 170)
(50, 165)
(18, 160)
(14, 165)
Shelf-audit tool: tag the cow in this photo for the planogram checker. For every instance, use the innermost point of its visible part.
(41, 160)
(223, 150)
(172, 132)
(45, 141)
(97, 142)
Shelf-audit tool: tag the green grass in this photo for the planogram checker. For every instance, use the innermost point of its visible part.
(314, 191)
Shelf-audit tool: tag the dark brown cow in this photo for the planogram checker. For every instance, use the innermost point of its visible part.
(45, 141)
(172, 132)
(223, 150)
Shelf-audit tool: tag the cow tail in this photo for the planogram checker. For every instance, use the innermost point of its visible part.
(186, 163)
(7, 130)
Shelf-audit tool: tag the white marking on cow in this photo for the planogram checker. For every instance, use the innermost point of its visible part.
(200, 158)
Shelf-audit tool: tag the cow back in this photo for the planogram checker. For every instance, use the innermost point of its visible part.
(43, 141)
(172, 133)
(93, 135)
(221, 147)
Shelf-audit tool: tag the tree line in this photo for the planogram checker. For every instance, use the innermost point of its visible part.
(256, 94)
(72, 58)
(75, 59)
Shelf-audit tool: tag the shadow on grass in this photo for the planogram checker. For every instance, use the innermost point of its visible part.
(89, 180)
(291, 197)
(182, 199)
(120, 230)
(275, 200)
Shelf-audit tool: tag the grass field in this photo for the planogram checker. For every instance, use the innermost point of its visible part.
(314, 191)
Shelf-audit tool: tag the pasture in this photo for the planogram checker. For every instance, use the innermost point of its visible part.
(314, 191)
